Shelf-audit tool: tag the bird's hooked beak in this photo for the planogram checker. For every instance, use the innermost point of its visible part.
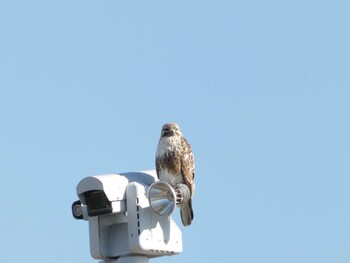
(166, 131)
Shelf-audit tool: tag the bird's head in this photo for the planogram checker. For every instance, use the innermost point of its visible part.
(170, 129)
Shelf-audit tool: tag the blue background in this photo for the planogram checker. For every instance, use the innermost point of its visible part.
(261, 90)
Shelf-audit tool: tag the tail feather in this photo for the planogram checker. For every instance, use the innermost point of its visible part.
(186, 212)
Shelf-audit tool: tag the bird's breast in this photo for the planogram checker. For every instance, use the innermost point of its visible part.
(168, 161)
(167, 144)
(169, 177)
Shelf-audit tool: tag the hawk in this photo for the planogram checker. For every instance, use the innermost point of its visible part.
(175, 164)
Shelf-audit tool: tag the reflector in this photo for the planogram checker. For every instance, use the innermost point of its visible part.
(162, 198)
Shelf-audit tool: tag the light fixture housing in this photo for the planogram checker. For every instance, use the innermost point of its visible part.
(162, 198)
(122, 224)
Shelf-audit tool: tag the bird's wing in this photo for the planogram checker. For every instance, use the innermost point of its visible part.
(187, 164)
(158, 165)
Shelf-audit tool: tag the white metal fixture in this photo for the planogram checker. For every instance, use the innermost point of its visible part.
(123, 227)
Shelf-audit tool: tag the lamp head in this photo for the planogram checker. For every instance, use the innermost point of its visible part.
(162, 198)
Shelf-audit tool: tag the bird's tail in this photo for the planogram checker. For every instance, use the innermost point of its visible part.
(186, 213)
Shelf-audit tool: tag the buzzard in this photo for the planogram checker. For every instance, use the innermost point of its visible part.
(175, 164)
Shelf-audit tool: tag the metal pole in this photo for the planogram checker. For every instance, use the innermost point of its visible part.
(130, 259)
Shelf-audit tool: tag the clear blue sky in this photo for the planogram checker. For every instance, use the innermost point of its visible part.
(261, 90)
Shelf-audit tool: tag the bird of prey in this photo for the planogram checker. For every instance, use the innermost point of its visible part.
(175, 164)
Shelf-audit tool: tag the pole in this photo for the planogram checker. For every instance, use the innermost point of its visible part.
(129, 259)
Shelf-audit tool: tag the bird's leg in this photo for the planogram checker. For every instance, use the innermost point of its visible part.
(179, 197)
(183, 194)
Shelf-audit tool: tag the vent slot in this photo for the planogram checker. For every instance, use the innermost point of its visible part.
(138, 216)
